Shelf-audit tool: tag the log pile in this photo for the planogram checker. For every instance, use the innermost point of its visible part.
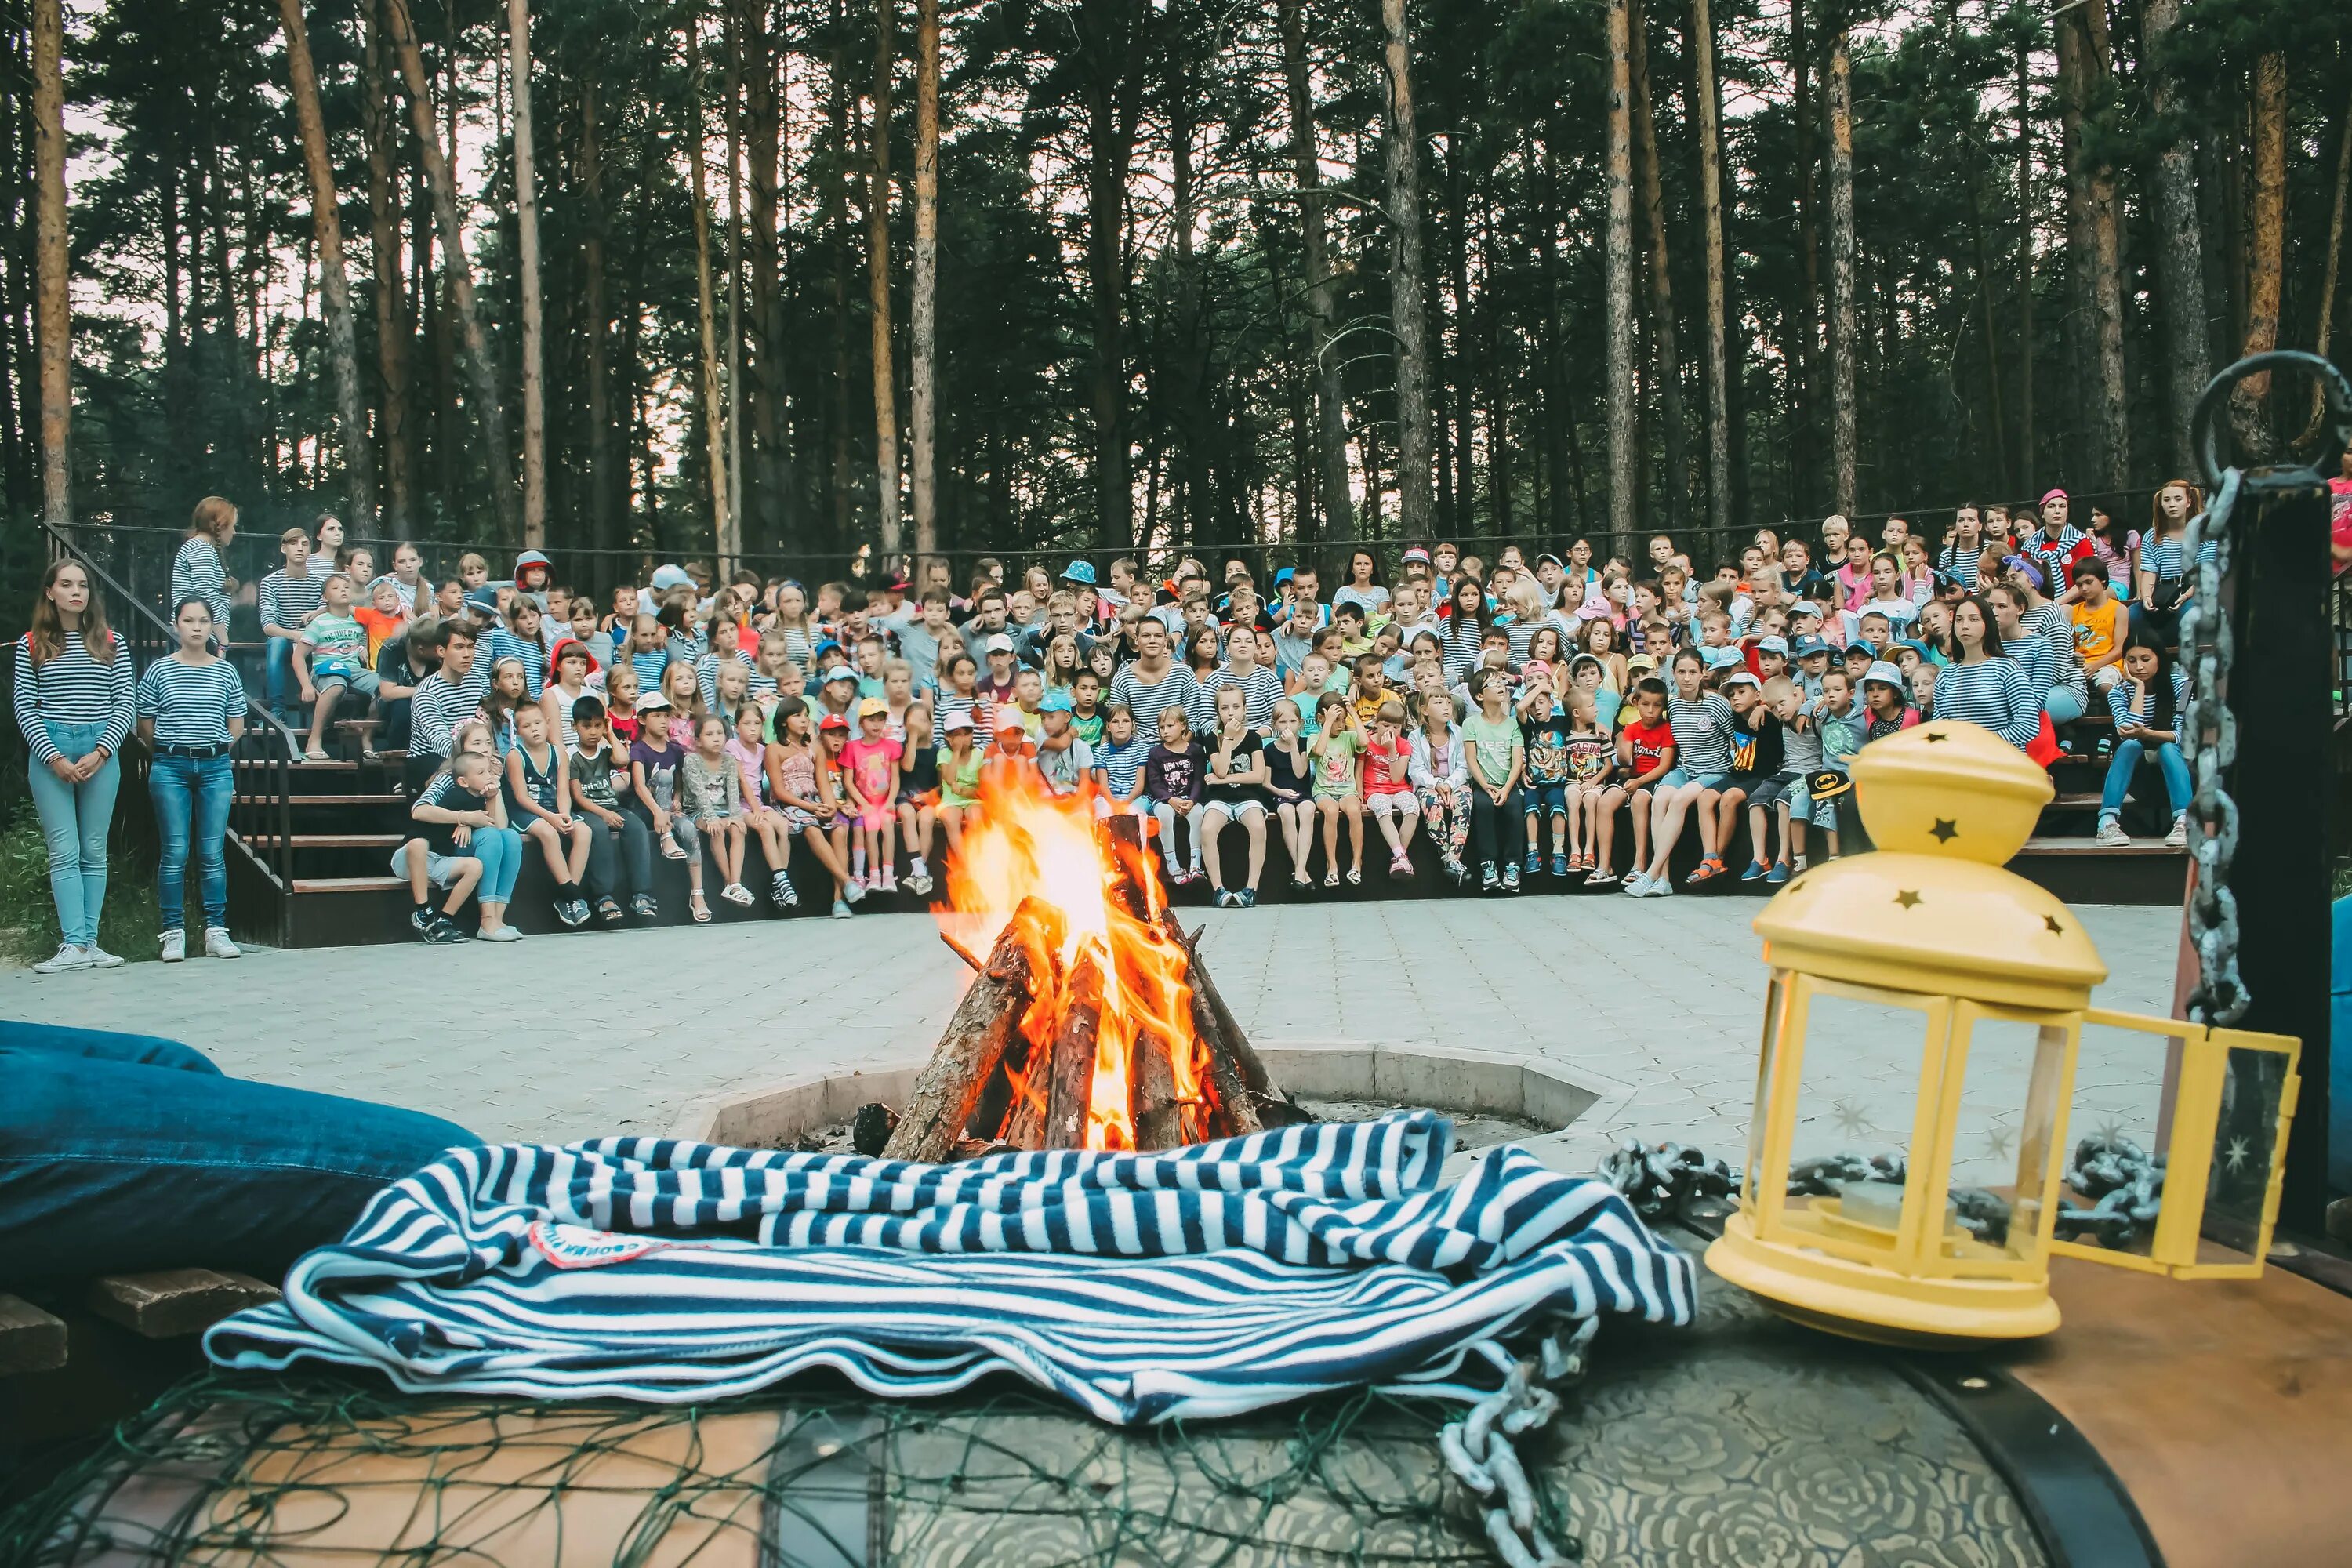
(1014, 1068)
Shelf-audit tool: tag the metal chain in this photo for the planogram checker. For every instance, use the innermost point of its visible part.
(1479, 1448)
(2220, 997)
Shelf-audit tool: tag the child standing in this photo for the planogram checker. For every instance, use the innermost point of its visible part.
(1388, 785)
(1440, 771)
(712, 792)
(1290, 784)
(1843, 729)
(1337, 744)
(539, 797)
(871, 767)
(1171, 778)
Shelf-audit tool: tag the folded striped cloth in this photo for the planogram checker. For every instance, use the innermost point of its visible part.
(1201, 1281)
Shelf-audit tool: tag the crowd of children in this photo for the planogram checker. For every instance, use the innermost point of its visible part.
(1527, 715)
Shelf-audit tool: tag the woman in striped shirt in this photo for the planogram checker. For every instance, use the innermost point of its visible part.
(2161, 580)
(1982, 685)
(191, 709)
(1466, 627)
(201, 569)
(75, 706)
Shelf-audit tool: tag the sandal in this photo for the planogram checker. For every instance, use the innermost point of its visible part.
(1355, 875)
(699, 906)
(1331, 878)
(1600, 879)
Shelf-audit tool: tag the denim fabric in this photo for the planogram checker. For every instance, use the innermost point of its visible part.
(279, 677)
(74, 820)
(191, 796)
(499, 849)
(128, 1153)
(2124, 767)
(2064, 704)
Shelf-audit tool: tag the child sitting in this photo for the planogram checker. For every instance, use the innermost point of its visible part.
(711, 791)
(1171, 778)
(1290, 784)
(1236, 792)
(330, 658)
(749, 752)
(1063, 759)
(1339, 742)
(919, 795)
(1119, 765)
(1440, 771)
(794, 787)
(539, 798)
(1543, 727)
(1754, 757)
(1388, 785)
(465, 847)
(1593, 794)
(870, 764)
(959, 767)
(593, 765)
(1783, 793)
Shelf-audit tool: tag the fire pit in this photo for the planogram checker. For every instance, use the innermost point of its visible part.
(1091, 1021)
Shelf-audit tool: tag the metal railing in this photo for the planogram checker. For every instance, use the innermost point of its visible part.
(260, 759)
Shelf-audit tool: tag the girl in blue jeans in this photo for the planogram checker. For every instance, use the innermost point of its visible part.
(74, 706)
(2146, 703)
(191, 710)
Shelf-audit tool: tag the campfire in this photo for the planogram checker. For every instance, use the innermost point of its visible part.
(1091, 1021)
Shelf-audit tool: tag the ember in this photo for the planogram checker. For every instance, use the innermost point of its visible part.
(1090, 1022)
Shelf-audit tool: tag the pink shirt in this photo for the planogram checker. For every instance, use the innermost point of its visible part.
(752, 762)
(871, 766)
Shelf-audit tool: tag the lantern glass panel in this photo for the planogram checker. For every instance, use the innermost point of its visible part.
(1858, 1099)
(2245, 1147)
(1776, 1006)
(2121, 1110)
(2004, 1120)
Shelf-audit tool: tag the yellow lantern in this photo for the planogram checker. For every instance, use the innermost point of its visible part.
(1929, 1003)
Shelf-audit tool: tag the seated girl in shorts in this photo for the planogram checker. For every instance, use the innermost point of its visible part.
(1235, 791)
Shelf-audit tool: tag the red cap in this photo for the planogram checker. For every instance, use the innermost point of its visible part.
(833, 721)
(555, 656)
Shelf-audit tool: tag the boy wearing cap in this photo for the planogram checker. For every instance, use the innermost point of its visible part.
(870, 774)
(1756, 756)
(1062, 757)
(620, 846)
(1812, 664)
(837, 695)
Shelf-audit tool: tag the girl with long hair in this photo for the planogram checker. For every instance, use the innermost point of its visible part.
(2147, 704)
(191, 710)
(2160, 581)
(1982, 685)
(201, 568)
(75, 706)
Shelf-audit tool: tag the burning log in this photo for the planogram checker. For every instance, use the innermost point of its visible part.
(1245, 1089)
(1152, 1093)
(1070, 1071)
(973, 1045)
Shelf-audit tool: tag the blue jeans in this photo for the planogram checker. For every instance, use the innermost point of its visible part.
(126, 1152)
(74, 819)
(2178, 785)
(191, 796)
(2064, 705)
(279, 675)
(499, 849)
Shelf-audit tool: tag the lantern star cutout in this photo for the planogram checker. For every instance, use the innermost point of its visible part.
(1935, 737)
(2052, 922)
(1908, 898)
(2236, 1156)
(1997, 1142)
(1852, 1120)
(1945, 830)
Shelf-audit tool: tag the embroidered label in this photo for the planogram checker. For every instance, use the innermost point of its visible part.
(577, 1247)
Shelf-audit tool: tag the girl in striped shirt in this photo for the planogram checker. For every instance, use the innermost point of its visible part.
(191, 708)
(74, 705)
(199, 568)
(1982, 685)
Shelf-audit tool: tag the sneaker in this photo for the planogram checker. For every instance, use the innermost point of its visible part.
(919, 884)
(2179, 838)
(1510, 878)
(646, 907)
(444, 930)
(1560, 866)
(1757, 872)
(420, 917)
(1225, 901)
(887, 884)
(217, 944)
(1637, 884)
(1487, 880)
(1660, 886)
(854, 892)
(102, 959)
(781, 893)
(175, 944)
(572, 912)
(1777, 874)
(1175, 875)
(1535, 862)
(2111, 834)
(1248, 897)
(502, 933)
(840, 910)
(736, 893)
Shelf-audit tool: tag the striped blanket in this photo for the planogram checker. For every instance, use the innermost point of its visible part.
(1198, 1282)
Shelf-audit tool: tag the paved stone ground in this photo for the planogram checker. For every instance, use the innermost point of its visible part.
(1658, 1004)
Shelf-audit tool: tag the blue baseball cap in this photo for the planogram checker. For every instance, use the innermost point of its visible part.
(1079, 572)
(1773, 644)
(1056, 701)
(1720, 658)
(1283, 577)
(1808, 646)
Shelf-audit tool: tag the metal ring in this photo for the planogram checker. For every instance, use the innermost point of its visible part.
(2204, 431)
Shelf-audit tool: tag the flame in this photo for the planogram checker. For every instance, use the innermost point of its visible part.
(1025, 841)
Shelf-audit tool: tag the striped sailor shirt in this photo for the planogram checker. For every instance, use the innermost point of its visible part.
(1261, 689)
(197, 573)
(1702, 732)
(191, 704)
(73, 689)
(283, 601)
(1993, 692)
(441, 705)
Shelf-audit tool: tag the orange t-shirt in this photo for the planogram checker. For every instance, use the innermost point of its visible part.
(381, 629)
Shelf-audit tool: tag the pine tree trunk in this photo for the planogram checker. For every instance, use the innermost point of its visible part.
(726, 538)
(1618, 245)
(2094, 242)
(765, 492)
(1338, 501)
(1708, 108)
(481, 368)
(1806, 357)
(393, 339)
(526, 197)
(2180, 242)
(734, 270)
(1406, 285)
(878, 283)
(52, 321)
(1110, 36)
(2026, 434)
(604, 485)
(2266, 252)
(335, 284)
(2328, 269)
(1661, 290)
(1841, 325)
(923, 305)
(836, 222)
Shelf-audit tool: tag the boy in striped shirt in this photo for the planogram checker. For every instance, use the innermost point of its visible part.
(287, 598)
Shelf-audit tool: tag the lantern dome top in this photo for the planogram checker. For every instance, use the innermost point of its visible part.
(1932, 908)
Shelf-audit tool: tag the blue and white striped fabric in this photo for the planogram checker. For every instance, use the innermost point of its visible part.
(1198, 1282)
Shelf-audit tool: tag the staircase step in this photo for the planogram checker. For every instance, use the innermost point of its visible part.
(328, 840)
(350, 885)
(393, 797)
(2078, 799)
(2055, 845)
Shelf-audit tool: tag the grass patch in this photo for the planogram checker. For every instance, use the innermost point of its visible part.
(29, 917)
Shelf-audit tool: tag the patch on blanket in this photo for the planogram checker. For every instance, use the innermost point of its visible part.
(1194, 1282)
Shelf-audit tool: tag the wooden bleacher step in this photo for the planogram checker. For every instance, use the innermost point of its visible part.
(30, 1338)
(171, 1302)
